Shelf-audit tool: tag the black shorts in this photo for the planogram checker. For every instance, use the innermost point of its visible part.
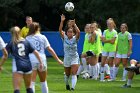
(90, 53)
(137, 71)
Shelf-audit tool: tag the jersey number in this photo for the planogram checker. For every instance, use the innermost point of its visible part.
(21, 49)
(37, 46)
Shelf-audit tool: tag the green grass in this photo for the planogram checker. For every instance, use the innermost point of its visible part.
(56, 82)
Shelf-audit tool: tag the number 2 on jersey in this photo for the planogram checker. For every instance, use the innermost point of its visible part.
(21, 49)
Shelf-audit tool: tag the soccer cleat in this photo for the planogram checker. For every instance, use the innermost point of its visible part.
(77, 76)
(67, 87)
(72, 89)
(126, 86)
(131, 68)
(107, 77)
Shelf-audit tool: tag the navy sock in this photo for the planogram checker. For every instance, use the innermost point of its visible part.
(29, 90)
(16, 91)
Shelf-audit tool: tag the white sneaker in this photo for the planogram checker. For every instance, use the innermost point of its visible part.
(123, 80)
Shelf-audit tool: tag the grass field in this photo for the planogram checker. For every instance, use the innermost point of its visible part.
(56, 82)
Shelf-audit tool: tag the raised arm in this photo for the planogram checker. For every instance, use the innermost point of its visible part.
(77, 30)
(61, 26)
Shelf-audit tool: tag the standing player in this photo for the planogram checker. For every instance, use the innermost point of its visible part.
(20, 49)
(71, 57)
(40, 43)
(5, 54)
(110, 41)
(84, 66)
(94, 51)
(25, 29)
(124, 49)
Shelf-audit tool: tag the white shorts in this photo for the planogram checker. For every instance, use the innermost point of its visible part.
(14, 68)
(121, 55)
(35, 66)
(108, 54)
(68, 61)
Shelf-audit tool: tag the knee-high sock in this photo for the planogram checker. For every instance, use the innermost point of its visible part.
(111, 72)
(84, 64)
(66, 78)
(115, 72)
(44, 87)
(98, 67)
(80, 69)
(107, 69)
(129, 82)
(33, 86)
(124, 73)
(73, 81)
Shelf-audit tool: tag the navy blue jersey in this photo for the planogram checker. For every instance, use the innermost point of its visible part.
(20, 53)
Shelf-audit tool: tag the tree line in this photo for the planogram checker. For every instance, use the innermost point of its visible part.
(47, 13)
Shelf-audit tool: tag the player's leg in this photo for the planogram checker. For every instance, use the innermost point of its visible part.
(125, 64)
(83, 59)
(117, 63)
(80, 69)
(27, 80)
(107, 69)
(34, 75)
(17, 78)
(94, 66)
(43, 75)
(67, 76)
(74, 68)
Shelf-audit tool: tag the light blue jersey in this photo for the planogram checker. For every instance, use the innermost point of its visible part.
(39, 42)
(71, 56)
(70, 46)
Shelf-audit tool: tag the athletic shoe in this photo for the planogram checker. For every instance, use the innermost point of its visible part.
(123, 80)
(131, 68)
(72, 89)
(126, 86)
(107, 77)
(67, 87)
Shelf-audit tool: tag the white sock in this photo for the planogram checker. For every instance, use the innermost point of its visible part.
(33, 86)
(115, 72)
(80, 69)
(107, 69)
(74, 81)
(98, 67)
(124, 73)
(91, 71)
(111, 73)
(129, 82)
(44, 87)
(95, 70)
(102, 70)
(66, 78)
(84, 64)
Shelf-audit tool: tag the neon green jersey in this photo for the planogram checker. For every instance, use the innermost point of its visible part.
(24, 31)
(96, 46)
(108, 35)
(86, 43)
(123, 42)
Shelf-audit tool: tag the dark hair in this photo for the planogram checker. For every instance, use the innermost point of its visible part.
(67, 28)
(33, 28)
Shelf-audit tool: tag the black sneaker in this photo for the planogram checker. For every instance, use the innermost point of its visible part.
(77, 76)
(67, 87)
(72, 89)
(126, 86)
(131, 68)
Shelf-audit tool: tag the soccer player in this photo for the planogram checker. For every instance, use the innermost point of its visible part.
(5, 54)
(71, 57)
(124, 49)
(110, 41)
(40, 43)
(25, 29)
(134, 68)
(22, 69)
(94, 51)
(84, 66)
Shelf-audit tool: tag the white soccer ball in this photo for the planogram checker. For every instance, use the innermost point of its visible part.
(69, 6)
(85, 75)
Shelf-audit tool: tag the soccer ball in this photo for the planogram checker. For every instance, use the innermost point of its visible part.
(69, 6)
(85, 75)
